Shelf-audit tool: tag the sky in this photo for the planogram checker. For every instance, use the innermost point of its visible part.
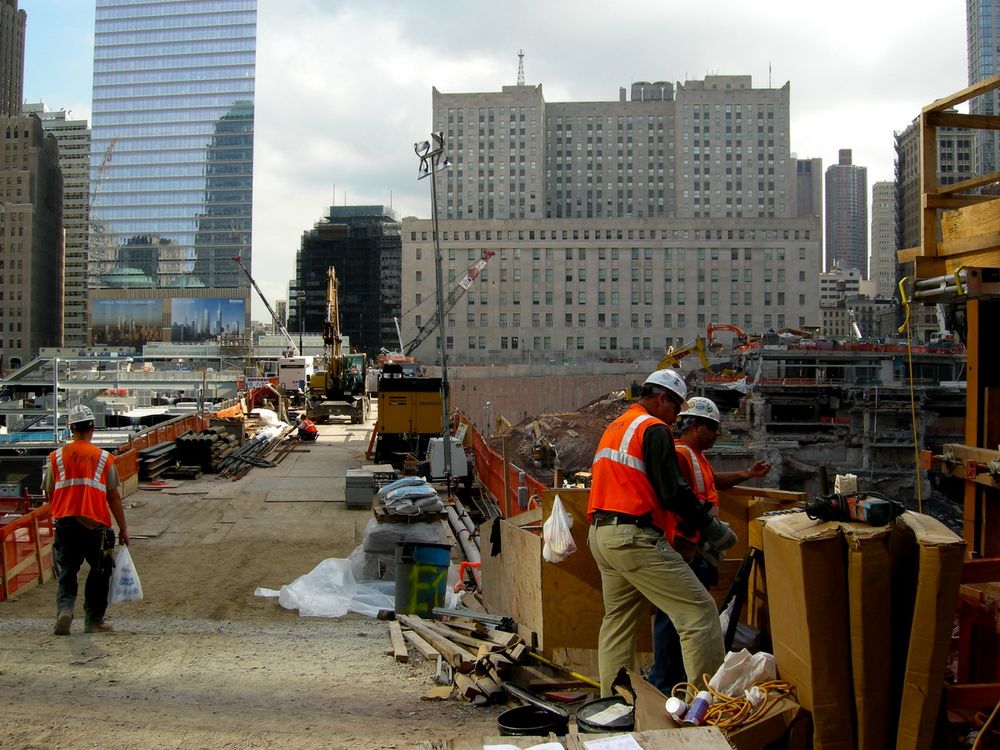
(343, 87)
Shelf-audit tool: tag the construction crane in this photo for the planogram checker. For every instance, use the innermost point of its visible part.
(292, 350)
(453, 297)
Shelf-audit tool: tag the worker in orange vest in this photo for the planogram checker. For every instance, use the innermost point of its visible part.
(81, 485)
(699, 425)
(308, 433)
(636, 495)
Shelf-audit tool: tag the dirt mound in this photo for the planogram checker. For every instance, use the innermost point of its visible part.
(573, 436)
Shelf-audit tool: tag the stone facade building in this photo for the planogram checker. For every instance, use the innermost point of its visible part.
(619, 227)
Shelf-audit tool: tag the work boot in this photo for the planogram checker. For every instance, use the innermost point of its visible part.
(63, 621)
(97, 627)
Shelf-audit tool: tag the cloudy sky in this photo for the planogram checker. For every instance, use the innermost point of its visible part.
(344, 86)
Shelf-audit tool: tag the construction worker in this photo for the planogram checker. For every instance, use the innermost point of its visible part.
(699, 428)
(308, 433)
(636, 496)
(81, 485)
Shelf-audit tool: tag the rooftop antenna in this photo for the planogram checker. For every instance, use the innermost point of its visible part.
(520, 67)
(769, 74)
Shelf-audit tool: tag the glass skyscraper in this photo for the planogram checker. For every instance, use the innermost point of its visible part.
(171, 165)
(983, 27)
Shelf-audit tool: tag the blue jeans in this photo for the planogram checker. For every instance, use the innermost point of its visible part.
(668, 667)
(73, 544)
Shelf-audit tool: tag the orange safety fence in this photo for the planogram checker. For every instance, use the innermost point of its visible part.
(490, 473)
(25, 551)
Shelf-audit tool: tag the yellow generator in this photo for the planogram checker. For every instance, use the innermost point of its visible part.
(410, 411)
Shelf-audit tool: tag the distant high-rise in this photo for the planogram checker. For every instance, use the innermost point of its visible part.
(983, 33)
(12, 26)
(73, 137)
(847, 215)
(31, 243)
(883, 262)
(363, 244)
(171, 160)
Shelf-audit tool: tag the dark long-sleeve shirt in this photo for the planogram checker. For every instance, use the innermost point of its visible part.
(660, 458)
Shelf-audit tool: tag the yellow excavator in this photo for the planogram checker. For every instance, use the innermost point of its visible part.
(672, 359)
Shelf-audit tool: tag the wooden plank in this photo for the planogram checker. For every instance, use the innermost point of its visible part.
(425, 649)
(503, 638)
(468, 688)
(928, 183)
(398, 643)
(971, 453)
(456, 637)
(962, 120)
(455, 655)
(908, 255)
(971, 221)
(932, 200)
(969, 92)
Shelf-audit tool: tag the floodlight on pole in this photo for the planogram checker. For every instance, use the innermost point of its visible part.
(432, 161)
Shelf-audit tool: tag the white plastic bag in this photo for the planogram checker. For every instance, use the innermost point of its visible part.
(741, 670)
(556, 532)
(125, 586)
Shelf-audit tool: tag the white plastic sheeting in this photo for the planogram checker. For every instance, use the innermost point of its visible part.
(330, 590)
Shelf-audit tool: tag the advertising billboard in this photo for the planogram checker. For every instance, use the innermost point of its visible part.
(194, 319)
(126, 322)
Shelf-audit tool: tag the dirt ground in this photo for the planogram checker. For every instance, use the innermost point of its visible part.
(203, 663)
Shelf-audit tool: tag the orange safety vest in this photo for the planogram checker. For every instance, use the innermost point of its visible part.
(700, 475)
(80, 482)
(619, 482)
(309, 426)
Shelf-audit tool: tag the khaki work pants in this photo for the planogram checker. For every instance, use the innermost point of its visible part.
(638, 567)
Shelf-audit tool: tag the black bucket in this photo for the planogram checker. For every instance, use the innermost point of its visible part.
(624, 723)
(529, 721)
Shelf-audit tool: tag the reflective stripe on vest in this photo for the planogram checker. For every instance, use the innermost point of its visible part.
(699, 477)
(621, 455)
(94, 482)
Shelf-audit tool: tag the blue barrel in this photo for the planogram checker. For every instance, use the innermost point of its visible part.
(421, 577)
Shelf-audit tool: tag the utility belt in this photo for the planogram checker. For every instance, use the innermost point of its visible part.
(614, 518)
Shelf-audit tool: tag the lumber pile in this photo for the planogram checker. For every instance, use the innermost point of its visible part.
(480, 658)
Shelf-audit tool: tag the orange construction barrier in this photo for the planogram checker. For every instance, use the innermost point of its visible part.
(26, 551)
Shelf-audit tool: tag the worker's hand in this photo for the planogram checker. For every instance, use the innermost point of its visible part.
(759, 468)
(719, 535)
(123, 537)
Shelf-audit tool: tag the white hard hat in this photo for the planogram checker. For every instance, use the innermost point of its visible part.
(699, 406)
(670, 380)
(80, 413)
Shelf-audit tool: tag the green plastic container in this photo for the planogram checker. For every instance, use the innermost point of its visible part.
(421, 577)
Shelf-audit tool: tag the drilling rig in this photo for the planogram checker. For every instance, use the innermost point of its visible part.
(338, 388)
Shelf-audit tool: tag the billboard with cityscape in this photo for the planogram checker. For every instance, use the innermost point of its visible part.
(126, 322)
(204, 318)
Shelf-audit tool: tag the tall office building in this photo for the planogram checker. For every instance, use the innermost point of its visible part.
(362, 244)
(618, 227)
(12, 25)
(955, 154)
(31, 241)
(983, 29)
(73, 137)
(847, 214)
(171, 167)
(883, 261)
